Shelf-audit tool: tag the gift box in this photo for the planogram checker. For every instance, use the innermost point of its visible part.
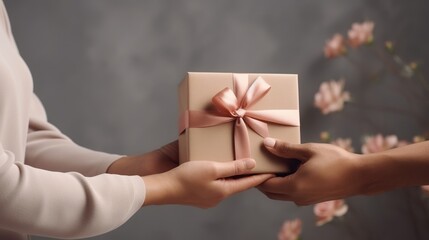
(226, 116)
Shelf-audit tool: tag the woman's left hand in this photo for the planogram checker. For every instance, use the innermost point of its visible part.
(157, 161)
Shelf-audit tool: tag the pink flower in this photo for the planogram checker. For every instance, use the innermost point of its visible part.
(361, 33)
(326, 211)
(378, 143)
(291, 230)
(344, 143)
(335, 46)
(331, 96)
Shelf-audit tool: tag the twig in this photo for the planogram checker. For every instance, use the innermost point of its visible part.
(391, 66)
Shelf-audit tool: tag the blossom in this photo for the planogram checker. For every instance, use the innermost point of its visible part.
(291, 230)
(379, 143)
(326, 211)
(344, 143)
(361, 33)
(402, 143)
(335, 46)
(331, 96)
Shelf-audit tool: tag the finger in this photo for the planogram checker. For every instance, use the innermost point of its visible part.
(280, 185)
(287, 150)
(234, 168)
(171, 150)
(238, 185)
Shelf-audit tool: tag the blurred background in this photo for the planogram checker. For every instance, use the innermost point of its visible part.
(107, 72)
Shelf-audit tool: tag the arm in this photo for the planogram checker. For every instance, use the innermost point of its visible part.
(328, 172)
(64, 205)
(49, 149)
(156, 161)
(399, 167)
(69, 205)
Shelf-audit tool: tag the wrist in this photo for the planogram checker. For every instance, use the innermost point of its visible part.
(159, 189)
(356, 174)
(379, 173)
(118, 166)
(128, 165)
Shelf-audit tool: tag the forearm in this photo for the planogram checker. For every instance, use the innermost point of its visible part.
(47, 148)
(150, 163)
(65, 156)
(400, 167)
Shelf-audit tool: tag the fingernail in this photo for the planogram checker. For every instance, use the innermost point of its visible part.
(249, 163)
(269, 142)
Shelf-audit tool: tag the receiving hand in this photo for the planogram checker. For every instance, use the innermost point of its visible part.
(201, 183)
(326, 172)
(157, 161)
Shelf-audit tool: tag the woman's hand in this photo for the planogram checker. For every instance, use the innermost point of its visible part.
(201, 183)
(326, 172)
(157, 161)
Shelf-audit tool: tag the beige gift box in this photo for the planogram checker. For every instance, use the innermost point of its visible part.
(216, 143)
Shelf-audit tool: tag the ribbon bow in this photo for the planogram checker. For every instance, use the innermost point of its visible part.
(234, 106)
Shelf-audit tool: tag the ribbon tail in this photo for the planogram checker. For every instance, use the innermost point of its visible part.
(261, 128)
(241, 140)
(288, 117)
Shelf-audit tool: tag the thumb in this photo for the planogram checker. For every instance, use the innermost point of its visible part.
(234, 168)
(287, 150)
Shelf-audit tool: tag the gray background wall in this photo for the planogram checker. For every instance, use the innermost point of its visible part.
(107, 72)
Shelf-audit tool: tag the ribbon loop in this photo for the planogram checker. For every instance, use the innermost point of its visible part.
(225, 102)
(256, 91)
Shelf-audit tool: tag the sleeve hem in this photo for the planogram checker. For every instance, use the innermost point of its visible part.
(139, 188)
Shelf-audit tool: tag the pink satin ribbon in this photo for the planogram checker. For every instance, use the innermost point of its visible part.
(234, 106)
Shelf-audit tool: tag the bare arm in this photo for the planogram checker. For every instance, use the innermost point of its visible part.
(399, 167)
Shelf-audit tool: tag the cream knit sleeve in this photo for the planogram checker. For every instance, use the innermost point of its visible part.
(49, 149)
(64, 205)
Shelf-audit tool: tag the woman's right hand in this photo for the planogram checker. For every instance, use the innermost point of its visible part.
(201, 183)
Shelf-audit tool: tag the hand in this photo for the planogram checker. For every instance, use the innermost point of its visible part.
(201, 183)
(327, 172)
(157, 161)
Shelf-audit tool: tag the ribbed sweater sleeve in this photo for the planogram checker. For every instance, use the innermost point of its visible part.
(49, 149)
(64, 205)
